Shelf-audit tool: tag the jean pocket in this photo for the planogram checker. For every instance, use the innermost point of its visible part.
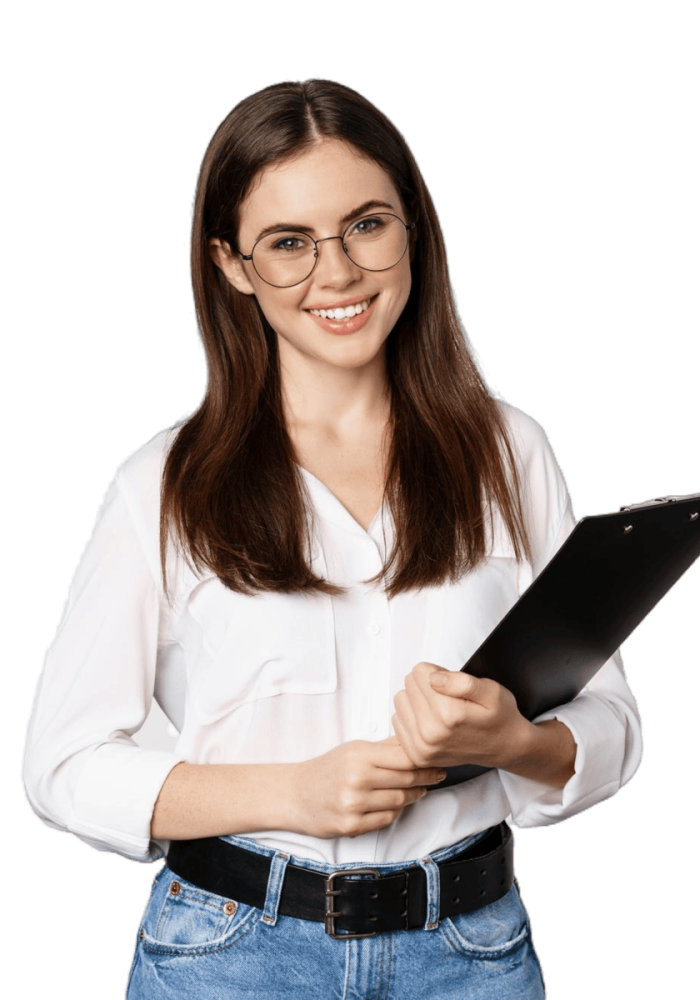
(182, 919)
(493, 932)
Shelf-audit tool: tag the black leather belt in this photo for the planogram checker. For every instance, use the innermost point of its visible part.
(351, 902)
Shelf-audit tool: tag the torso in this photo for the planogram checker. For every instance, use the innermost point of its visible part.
(354, 471)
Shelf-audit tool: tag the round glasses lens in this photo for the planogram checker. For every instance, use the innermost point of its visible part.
(374, 243)
(284, 259)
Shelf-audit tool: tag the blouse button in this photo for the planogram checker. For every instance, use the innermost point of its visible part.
(373, 629)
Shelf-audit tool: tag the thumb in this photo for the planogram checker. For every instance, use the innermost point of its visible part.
(455, 684)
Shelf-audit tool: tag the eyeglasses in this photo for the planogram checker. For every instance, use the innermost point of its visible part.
(375, 243)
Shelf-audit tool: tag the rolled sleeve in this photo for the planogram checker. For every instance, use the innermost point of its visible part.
(83, 770)
(604, 722)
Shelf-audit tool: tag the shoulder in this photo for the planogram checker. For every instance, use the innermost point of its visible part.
(543, 488)
(146, 465)
(530, 444)
(527, 437)
(139, 476)
(138, 482)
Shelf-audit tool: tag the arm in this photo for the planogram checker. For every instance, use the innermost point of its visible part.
(601, 726)
(212, 800)
(355, 788)
(83, 770)
(446, 717)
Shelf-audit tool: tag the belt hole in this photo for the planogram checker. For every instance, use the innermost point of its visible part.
(482, 892)
(373, 895)
(455, 899)
(455, 878)
(404, 913)
(374, 919)
(403, 892)
(483, 871)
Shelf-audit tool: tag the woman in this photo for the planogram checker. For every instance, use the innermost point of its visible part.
(292, 574)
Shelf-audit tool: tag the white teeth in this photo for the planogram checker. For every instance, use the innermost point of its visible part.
(347, 313)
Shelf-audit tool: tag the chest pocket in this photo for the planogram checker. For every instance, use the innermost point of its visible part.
(246, 648)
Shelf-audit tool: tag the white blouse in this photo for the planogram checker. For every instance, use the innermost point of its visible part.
(281, 678)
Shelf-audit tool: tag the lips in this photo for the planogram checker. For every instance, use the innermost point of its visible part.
(344, 318)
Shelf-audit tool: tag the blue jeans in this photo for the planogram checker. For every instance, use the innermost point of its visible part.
(196, 945)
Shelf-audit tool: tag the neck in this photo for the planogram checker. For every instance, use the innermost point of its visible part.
(333, 400)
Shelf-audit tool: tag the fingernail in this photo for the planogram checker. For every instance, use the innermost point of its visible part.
(438, 679)
(423, 792)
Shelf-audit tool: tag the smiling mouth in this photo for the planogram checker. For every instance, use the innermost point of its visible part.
(343, 312)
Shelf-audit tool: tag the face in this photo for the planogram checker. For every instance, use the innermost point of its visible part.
(321, 193)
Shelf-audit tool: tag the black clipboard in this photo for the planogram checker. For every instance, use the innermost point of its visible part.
(606, 577)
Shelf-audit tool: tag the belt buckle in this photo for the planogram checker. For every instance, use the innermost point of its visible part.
(331, 892)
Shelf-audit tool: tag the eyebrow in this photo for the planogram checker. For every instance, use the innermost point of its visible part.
(297, 227)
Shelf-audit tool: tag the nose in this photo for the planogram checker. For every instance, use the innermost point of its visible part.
(334, 269)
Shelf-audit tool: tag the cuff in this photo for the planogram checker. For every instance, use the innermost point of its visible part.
(115, 796)
(600, 753)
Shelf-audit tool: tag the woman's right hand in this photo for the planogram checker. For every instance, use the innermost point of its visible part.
(356, 787)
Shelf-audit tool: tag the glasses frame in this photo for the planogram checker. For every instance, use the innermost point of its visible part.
(409, 226)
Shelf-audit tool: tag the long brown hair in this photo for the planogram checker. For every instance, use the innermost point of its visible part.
(232, 494)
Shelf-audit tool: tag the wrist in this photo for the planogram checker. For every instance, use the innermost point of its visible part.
(279, 796)
(545, 752)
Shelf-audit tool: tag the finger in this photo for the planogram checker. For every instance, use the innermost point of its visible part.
(393, 799)
(420, 693)
(405, 707)
(428, 701)
(405, 723)
(456, 684)
(391, 757)
(406, 739)
(409, 779)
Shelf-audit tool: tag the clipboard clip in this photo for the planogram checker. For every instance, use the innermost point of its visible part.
(660, 500)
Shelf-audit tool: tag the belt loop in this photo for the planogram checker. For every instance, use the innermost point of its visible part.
(432, 893)
(275, 881)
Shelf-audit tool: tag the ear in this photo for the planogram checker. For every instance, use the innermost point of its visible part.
(231, 265)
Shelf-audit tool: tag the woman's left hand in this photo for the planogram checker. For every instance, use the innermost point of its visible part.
(444, 717)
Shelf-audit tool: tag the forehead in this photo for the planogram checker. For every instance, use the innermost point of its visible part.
(316, 188)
